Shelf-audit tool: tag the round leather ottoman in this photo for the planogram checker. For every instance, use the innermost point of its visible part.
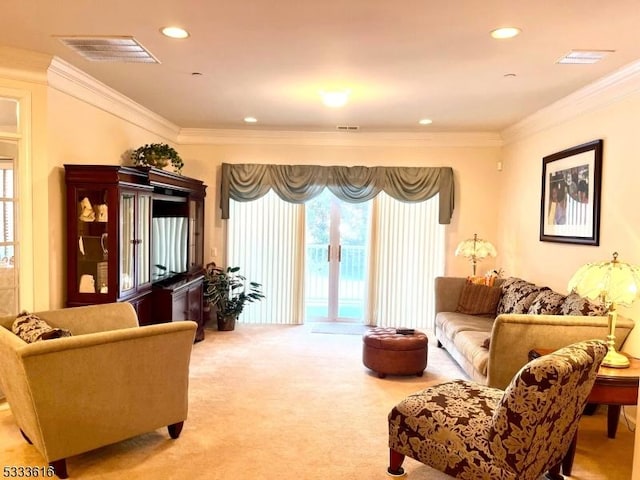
(389, 353)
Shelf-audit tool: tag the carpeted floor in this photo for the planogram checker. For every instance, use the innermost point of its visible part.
(338, 328)
(278, 402)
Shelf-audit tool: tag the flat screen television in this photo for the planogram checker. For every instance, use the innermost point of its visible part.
(169, 247)
(169, 234)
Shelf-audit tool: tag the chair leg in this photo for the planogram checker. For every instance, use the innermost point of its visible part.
(175, 429)
(554, 473)
(567, 461)
(60, 468)
(395, 464)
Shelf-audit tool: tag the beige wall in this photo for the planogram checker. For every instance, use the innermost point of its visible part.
(553, 264)
(476, 177)
(79, 134)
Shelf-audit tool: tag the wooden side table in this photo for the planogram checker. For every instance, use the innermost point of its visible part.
(613, 387)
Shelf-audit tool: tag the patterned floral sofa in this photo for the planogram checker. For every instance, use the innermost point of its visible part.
(489, 330)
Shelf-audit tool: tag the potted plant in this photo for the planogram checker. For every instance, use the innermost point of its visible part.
(157, 155)
(228, 291)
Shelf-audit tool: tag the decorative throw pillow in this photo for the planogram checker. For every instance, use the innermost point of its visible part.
(486, 280)
(517, 296)
(574, 304)
(31, 328)
(547, 302)
(478, 299)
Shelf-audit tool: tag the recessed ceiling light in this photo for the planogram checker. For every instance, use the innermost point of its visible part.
(335, 98)
(250, 119)
(174, 32)
(425, 121)
(584, 56)
(505, 32)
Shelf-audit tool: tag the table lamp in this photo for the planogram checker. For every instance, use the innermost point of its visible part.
(612, 283)
(475, 249)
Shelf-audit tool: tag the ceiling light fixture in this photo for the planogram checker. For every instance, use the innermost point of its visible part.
(250, 119)
(425, 121)
(174, 32)
(335, 98)
(505, 32)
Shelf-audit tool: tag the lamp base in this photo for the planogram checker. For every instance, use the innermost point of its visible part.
(614, 359)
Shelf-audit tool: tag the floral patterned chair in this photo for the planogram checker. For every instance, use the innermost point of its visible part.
(472, 432)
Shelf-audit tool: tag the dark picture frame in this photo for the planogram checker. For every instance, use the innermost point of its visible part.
(570, 200)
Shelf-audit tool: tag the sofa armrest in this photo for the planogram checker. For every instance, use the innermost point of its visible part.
(513, 336)
(447, 293)
(105, 387)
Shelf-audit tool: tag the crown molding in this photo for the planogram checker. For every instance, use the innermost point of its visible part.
(201, 136)
(68, 79)
(24, 65)
(599, 94)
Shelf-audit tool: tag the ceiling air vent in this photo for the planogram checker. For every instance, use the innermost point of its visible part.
(109, 49)
(584, 56)
(347, 128)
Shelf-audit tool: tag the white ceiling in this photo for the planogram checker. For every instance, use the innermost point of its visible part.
(402, 60)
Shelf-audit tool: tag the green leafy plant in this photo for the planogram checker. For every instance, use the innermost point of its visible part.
(157, 155)
(228, 290)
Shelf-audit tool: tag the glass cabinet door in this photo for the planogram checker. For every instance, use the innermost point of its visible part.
(92, 271)
(143, 240)
(127, 241)
(196, 232)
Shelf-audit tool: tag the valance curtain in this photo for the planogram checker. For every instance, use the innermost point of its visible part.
(299, 183)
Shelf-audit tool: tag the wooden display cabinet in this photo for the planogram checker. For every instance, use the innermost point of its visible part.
(115, 222)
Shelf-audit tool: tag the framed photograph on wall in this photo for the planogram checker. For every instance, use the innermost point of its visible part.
(570, 201)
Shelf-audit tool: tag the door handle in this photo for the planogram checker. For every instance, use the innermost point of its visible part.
(328, 253)
(339, 253)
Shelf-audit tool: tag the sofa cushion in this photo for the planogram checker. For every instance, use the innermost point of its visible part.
(31, 328)
(452, 323)
(574, 304)
(517, 296)
(547, 302)
(478, 299)
(469, 344)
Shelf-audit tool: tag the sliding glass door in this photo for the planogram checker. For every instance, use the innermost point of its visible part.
(337, 256)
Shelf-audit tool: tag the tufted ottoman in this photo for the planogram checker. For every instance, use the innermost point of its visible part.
(389, 353)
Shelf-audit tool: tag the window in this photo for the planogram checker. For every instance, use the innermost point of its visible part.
(266, 237)
(9, 303)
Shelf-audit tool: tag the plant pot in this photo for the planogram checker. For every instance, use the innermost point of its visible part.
(226, 323)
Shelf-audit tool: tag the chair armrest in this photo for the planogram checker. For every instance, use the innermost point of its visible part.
(135, 378)
(513, 336)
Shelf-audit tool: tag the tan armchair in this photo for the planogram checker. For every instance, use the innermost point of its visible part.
(471, 431)
(110, 381)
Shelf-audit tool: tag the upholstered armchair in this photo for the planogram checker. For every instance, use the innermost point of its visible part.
(470, 431)
(109, 381)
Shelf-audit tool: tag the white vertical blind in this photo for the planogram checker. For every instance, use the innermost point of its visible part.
(409, 255)
(266, 239)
